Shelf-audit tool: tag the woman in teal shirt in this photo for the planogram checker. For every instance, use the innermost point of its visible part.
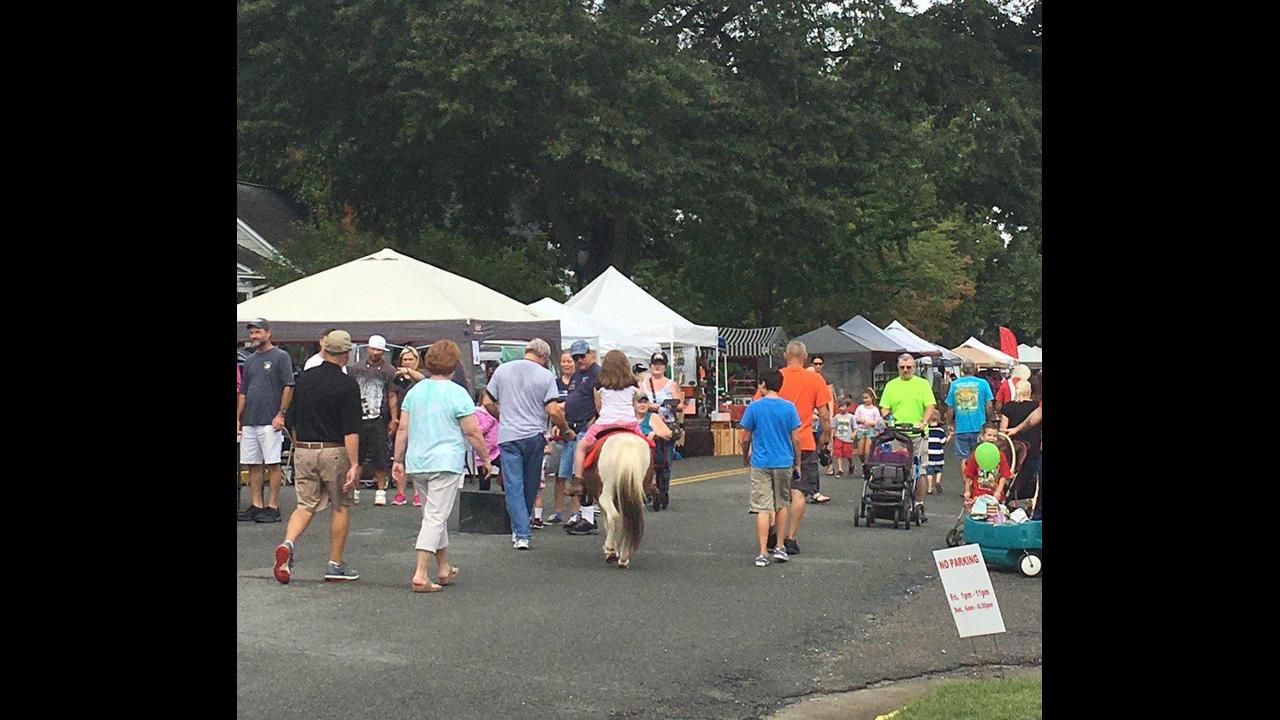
(657, 430)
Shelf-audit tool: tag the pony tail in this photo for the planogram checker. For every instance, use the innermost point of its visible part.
(630, 494)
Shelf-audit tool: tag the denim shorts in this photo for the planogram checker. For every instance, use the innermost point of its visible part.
(933, 469)
(965, 443)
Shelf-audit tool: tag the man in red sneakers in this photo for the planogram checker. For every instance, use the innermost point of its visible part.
(326, 458)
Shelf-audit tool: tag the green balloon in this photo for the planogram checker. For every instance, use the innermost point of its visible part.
(988, 456)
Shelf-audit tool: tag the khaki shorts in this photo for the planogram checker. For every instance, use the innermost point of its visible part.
(770, 489)
(318, 476)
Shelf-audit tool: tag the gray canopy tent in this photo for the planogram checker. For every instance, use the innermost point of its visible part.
(847, 362)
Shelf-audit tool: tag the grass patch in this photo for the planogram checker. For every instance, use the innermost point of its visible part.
(995, 699)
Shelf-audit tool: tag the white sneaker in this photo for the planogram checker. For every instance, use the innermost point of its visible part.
(522, 544)
(380, 497)
(355, 496)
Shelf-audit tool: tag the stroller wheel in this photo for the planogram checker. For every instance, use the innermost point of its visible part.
(1030, 564)
(955, 536)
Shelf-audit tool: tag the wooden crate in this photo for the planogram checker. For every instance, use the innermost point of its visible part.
(726, 439)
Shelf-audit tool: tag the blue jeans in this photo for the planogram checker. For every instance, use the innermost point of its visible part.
(964, 444)
(521, 471)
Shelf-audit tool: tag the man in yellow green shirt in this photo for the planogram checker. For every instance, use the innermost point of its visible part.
(910, 398)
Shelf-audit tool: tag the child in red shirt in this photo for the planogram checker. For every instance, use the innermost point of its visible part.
(986, 482)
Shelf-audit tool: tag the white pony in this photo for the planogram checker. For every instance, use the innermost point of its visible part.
(623, 467)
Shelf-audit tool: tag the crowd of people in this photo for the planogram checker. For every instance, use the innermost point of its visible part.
(784, 455)
(418, 421)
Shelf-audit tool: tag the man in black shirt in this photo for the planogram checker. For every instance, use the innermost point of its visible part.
(580, 412)
(325, 415)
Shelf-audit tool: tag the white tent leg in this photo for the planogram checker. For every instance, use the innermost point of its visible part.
(716, 380)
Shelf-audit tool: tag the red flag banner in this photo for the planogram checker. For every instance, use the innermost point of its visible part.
(1008, 343)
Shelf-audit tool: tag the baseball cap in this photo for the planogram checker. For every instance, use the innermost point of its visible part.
(337, 342)
(377, 342)
(638, 368)
(659, 357)
(258, 323)
(579, 347)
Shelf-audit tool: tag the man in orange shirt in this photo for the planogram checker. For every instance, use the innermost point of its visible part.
(806, 390)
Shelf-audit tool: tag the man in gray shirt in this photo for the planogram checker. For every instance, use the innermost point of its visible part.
(266, 389)
(527, 393)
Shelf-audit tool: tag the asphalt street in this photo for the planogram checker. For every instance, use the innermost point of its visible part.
(691, 630)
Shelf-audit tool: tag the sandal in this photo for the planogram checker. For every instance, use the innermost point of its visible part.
(453, 575)
(819, 498)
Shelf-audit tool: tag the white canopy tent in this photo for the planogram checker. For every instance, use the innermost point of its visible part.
(603, 336)
(401, 298)
(613, 298)
(914, 343)
(977, 344)
(616, 300)
(1030, 355)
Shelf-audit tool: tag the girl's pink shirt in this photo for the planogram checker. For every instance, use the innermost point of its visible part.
(489, 427)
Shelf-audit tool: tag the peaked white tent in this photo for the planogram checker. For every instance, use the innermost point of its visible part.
(603, 336)
(916, 344)
(1030, 355)
(982, 347)
(615, 299)
(400, 298)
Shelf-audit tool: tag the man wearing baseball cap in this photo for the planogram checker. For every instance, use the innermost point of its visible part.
(580, 412)
(266, 389)
(315, 360)
(378, 408)
(326, 417)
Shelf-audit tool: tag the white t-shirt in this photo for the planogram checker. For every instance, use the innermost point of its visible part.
(315, 360)
(616, 407)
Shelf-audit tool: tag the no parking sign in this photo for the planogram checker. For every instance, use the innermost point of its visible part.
(970, 595)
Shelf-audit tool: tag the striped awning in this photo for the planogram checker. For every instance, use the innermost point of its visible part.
(752, 342)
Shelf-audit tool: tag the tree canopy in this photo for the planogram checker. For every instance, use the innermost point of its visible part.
(749, 163)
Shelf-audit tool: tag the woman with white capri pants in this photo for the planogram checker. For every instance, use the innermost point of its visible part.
(437, 422)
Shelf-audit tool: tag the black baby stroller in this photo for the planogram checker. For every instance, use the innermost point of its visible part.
(889, 480)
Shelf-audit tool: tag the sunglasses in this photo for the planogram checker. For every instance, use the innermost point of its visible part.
(818, 364)
(906, 367)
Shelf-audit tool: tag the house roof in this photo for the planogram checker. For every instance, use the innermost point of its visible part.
(271, 213)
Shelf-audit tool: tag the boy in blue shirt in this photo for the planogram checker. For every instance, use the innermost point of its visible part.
(769, 439)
